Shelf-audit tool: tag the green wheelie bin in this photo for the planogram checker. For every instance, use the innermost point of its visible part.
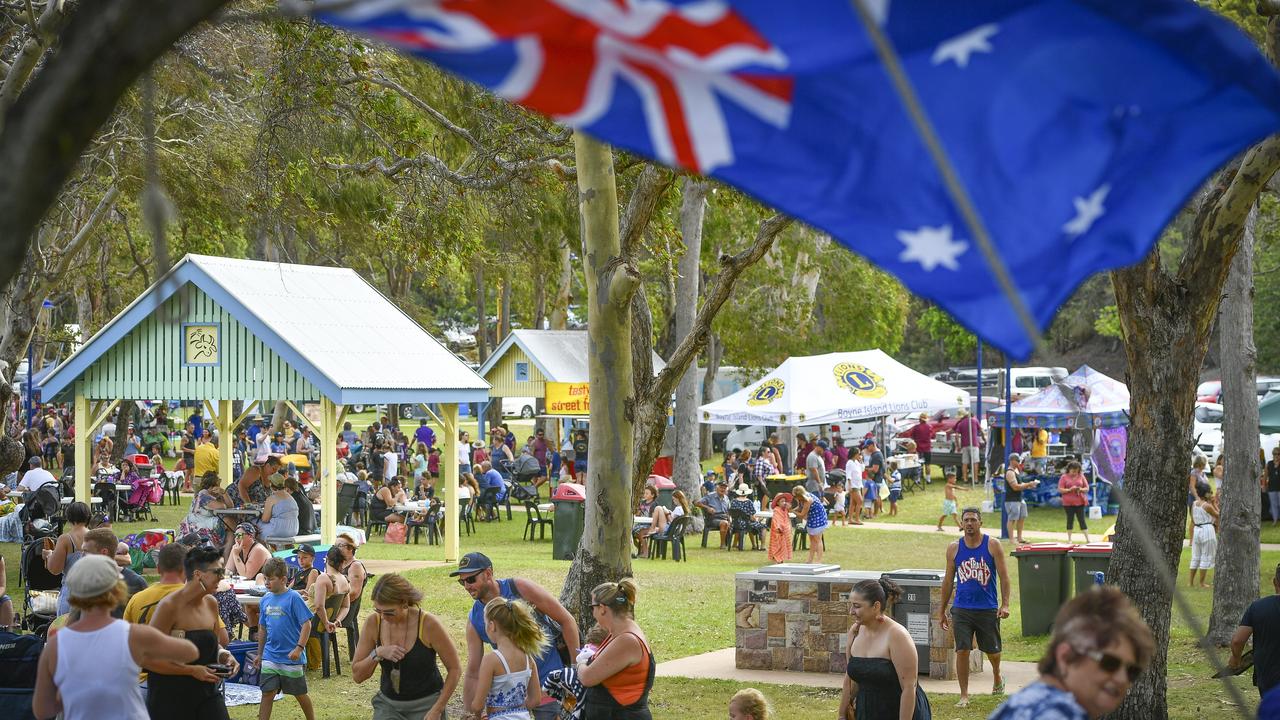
(570, 517)
(1044, 584)
(1088, 560)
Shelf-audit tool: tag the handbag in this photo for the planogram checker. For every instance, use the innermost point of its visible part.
(396, 533)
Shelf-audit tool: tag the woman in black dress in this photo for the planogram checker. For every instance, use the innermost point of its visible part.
(883, 664)
(190, 692)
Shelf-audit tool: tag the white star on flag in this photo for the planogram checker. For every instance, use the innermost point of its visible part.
(1088, 210)
(931, 247)
(960, 47)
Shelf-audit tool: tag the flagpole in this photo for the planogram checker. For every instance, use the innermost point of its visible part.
(959, 195)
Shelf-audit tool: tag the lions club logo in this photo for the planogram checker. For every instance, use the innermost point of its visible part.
(767, 392)
(860, 381)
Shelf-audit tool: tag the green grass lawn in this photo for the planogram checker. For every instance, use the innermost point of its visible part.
(687, 608)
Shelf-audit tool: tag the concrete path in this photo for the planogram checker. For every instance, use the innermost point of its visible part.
(1041, 535)
(719, 665)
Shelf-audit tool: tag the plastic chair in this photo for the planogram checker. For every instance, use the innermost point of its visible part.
(535, 522)
(739, 520)
(674, 534)
(466, 515)
(332, 604)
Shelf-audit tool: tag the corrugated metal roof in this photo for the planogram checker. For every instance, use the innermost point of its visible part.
(329, 323)
(561, 355)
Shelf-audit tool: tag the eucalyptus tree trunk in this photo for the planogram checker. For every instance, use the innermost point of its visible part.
(482, 319)
(605, 551)
(1166, 315)
(686, 467)
(559, 319)
(715, 351)
(1235, 578)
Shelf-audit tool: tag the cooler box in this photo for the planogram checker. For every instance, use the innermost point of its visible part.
(238, 650)
(570, 516)
(1087, 560)
(912, 609)
(1044, 584)
(665, 487)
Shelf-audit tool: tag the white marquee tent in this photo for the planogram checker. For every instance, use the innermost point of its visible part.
(835, 387)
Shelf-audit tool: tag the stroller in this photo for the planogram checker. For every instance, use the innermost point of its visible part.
(39, 586)
(45, 504)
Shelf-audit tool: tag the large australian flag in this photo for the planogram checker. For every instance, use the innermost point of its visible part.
(1078, 127)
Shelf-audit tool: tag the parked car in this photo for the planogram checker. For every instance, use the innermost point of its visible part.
(1027, 381)
(1211, 391)
(519, 406)
(1206, 430)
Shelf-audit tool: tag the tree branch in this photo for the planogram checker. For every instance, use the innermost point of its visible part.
(25, 61)
(439, 117)
(650, 187)
(103, 50)
(1221, 219)
(731, 268)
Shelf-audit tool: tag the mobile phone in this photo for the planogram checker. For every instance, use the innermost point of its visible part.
(219, 668)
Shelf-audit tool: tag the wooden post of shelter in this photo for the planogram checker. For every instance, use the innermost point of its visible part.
(449, 476)
(327, 473)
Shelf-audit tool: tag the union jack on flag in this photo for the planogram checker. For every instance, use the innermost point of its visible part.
(1078, 127)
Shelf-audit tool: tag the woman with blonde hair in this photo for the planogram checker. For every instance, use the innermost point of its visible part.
(90, 668)
(405, 642)
(619, 676)
(749, 704)
(509, 693)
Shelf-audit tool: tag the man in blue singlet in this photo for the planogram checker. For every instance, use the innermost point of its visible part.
(475, 574)
(973, 563)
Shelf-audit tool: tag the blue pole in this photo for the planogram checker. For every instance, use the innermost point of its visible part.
(981, 458)
(1008, 439)
(31, 374)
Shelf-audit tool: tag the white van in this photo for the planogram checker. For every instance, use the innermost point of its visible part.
(1027, 381)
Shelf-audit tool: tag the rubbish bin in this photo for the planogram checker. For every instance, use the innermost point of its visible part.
(571, 514)
(1044, 584)
(912, 609)
(1087, 560)
(665, 487)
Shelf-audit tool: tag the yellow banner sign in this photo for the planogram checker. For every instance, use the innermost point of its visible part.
(568, 398)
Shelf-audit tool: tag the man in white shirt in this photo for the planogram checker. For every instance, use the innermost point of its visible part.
(36, 476)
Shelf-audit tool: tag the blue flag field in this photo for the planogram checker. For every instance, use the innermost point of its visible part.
(1077, 127)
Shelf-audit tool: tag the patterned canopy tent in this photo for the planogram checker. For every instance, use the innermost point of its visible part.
(1085, 398)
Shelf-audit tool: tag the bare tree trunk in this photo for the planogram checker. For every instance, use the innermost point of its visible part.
(1235, 580)
(124, 416)
(686, 467)
(482, 322)
(560, 305)
(504, 314)
(715, 351)
(539, 304)
(605, 551)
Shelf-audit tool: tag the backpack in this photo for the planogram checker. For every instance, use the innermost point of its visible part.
(19, 656)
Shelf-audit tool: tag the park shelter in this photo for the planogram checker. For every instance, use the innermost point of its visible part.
(217, 330)
(1085, 398)
(548, 365)
(835, 387)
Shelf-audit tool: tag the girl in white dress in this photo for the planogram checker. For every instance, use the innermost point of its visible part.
(508, 686)
(1204, 537)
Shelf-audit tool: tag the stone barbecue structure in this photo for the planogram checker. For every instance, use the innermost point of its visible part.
(795, 617)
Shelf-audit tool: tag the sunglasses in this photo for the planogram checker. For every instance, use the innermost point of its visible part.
(220, 572)
(469, 580)
(1110, 663)
(385, 613)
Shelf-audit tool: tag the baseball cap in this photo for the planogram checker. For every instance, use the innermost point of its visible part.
(91, 576)
(723, 482)
(868, 442)
(306, 550)
(822, 444)
(472, 563)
